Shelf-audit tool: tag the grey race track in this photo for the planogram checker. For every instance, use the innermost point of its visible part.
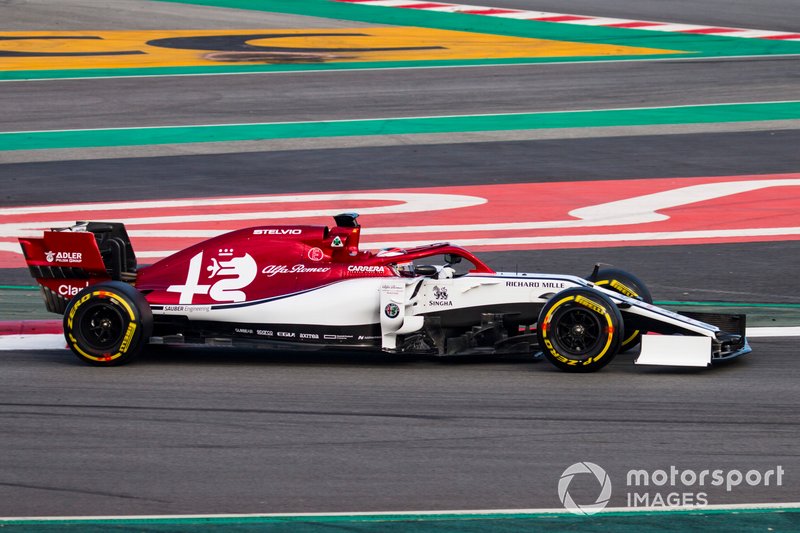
(403, 93)
(220, 432)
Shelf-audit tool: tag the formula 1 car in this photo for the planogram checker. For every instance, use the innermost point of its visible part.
(312, 287)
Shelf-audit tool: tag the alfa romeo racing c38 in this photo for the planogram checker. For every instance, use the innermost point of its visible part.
(313, 287)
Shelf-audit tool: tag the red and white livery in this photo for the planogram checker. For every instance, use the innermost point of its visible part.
(313, 287)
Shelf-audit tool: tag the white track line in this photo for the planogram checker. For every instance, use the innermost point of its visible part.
(45, 341)
(793, 331)
(477, 512)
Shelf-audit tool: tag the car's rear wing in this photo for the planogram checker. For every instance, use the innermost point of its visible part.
(65, 260)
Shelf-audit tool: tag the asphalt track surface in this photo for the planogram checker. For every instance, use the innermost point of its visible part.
(216, 432)
(404, 93)
(200, 432)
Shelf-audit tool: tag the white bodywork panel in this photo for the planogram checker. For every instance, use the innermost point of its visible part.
(345, 303)
(675, 350)
(399, 305)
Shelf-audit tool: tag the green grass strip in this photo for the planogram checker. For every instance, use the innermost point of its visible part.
(39, 140)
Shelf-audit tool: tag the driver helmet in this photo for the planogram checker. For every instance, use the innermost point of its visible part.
(405, 269)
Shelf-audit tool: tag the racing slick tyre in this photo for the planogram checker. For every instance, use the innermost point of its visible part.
(580, 330)
(108, 324)
(625, 283)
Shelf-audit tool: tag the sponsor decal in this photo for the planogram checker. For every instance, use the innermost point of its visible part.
(337, 337)
(277, 232)
(313, 336)
(188, 309)
(75, 306)
(366, 269)
(624, 289)
(337, 243)
(274, 270)
(265, 332)
(368, 337)
(126, 341)
(287, 334)
(440, 293)
(537, 284)
(70, 290)
(63, 257)
(315, 254)
(522, 283)
(441, 298)
(591, 305)
(392, 310)
(235, 273)
(243, 330)
(394, 288)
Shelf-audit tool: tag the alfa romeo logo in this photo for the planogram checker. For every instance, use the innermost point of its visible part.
(584, 468)
(392, 310)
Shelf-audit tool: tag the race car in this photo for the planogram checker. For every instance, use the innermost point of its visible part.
(312, 287)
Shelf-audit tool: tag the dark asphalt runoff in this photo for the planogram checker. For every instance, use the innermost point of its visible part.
(213, 431)
(402, 166)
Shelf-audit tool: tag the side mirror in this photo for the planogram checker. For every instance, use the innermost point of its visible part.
(452, 259)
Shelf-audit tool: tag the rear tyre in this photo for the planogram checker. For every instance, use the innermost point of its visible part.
(580, 330)
(108, 324)
(629, 285)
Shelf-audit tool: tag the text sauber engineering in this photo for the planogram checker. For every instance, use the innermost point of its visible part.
(312, 287)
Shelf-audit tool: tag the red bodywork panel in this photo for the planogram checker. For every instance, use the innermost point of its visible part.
(64, 261)
(269, 261)
(241, 266)
(64, 249)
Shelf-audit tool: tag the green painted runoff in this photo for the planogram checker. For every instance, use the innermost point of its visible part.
(712, 520)
(696, 114)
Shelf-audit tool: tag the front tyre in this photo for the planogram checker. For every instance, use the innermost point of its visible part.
(626, 284)
(108, 324)
(580, 330)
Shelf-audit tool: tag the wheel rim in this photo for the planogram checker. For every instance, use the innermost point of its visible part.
(578, 332)
(102, 326)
